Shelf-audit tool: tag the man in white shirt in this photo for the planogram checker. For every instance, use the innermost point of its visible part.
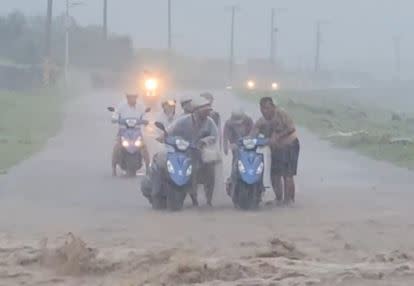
(128, 108)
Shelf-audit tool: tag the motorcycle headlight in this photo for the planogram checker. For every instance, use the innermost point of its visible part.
(138, 143)
(182, 144)
(151, 84)
(189, 171)
(260, 169)
(249, 143)
(125, 143)
(170, 167)
(242, 169)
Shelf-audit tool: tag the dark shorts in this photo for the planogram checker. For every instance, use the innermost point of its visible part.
(285, 160)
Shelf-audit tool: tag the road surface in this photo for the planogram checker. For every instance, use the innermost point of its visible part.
(352, 224)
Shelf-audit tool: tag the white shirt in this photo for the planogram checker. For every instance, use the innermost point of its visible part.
(164, 119)
(124, 110)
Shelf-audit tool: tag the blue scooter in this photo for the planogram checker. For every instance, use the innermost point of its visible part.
(178, 181)
(130, 159)
(247, 180)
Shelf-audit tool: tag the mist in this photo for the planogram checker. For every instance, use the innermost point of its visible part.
(358, 35)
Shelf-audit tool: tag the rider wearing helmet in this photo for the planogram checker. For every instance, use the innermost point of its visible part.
(127, 108)
(196, 127)
(186, 105)
(213, 114)
(168, 113)
(239, 125)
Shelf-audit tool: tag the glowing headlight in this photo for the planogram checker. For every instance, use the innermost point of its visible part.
(170, 167)
(182, 144)
(275, 86)
(138, 143)
(260, 169)
(151, 84)
(125, 143)
(249, 143)
(189, 171)
(242, 169)
(251, 84)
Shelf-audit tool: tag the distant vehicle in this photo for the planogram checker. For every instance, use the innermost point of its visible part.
(132, 142)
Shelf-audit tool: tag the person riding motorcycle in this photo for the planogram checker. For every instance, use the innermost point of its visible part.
(127, 108)
(239, 125)
(186, 105)
(213, 114)
(168, 114)
(199, 129)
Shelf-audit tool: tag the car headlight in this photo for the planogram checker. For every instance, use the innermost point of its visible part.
(125, 143)
(251, 84)
(138, 143)
(182, 144)
(249, 143)
(151, 84)
(170, 167)
(260, 169)
(242, 169)
(189, 171)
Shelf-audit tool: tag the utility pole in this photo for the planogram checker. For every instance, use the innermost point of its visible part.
(318, 46)
(234, 9)
(272, 36)
(169, 27)
(47, 62)
(105, 19)
(69, 5)
(67, 41)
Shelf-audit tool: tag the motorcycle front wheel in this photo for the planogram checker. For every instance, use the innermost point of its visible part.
(175, 197)
(247, 197)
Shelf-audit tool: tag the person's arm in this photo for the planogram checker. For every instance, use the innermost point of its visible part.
(226, 138)
(288, 127)
(249, 125)
(116, 114)
(255, 131)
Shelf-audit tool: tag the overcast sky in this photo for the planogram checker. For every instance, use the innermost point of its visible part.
(358, 33)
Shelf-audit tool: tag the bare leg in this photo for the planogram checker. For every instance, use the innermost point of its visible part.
(289, 189)
(194, 199)
(277, 187)
(146, 157)
(115, 157)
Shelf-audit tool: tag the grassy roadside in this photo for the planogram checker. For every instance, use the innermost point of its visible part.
(350, 120)
(27, 121)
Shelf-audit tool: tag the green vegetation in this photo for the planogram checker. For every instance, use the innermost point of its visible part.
(350, 120)
(27, 121)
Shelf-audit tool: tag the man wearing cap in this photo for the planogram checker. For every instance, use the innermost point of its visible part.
(197, 128)
(127, 108)
(213, 114)
(277, 125)
(186, 105)
(239, 125)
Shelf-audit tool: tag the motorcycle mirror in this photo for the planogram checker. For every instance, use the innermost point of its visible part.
(148, 110)
(111, 109)
(160, 126)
